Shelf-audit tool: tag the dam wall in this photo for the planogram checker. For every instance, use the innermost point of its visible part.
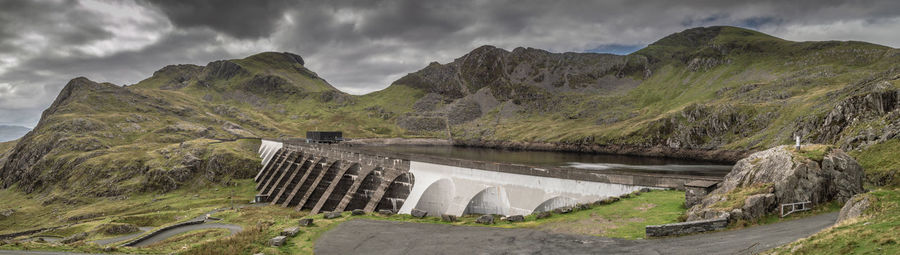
(323, 178)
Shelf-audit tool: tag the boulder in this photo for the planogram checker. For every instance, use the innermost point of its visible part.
(606, 201)
(855, 207)
(75, 238)
(418, 213)
(306, 222)
(277, 241)
(645, 190)
(758, 205)
(332, 215)
(564, 209)
(760, 182)
(583, 206)
(291, 231)
(736, 214)
(448, 218)
(515, 218)
(485, 219)
(542, 215)
(358, 212)
(386, 212)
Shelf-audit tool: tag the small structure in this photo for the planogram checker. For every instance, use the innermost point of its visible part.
(795, 207)
(324, 136)
(694, 191)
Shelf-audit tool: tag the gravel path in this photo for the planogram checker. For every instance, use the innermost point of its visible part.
(389, 237)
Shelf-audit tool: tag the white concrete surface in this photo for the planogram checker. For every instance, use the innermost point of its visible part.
(267, 150)
(441, 189)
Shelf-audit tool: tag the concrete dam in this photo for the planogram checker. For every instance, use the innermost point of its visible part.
(321, 178)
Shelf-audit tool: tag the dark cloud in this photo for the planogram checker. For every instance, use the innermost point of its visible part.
(237, 18)
(359, 45)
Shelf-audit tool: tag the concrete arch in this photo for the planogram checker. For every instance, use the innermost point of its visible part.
(436, 198)
(553, 203)
(395, 195)
(340, 190)
(321, 184)
(491, 200)
(366, 190)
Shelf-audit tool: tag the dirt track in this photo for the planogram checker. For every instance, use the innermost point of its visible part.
(387, 237)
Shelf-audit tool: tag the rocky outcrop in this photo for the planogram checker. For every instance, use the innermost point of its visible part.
(883, 103)
(855, 207)
(177, 76)
(222, 69)
(481, 80)
(758, 183)
(706, 126)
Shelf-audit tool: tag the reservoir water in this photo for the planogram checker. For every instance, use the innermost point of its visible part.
(590, 161)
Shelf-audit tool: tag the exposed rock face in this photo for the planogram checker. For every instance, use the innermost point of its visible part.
(222, 69)
(882, 102)
(177, 76)
(480, 80)
(855, 207)
(776, 176)
(707, 126)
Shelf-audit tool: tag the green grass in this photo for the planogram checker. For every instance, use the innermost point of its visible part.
(881, 162)
(185, 240)
(148, 209)
(736, 197)
(623, 219)
(874, 233)
(814, 152)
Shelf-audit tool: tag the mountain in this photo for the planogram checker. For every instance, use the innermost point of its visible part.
(711, 93)
(9, 133)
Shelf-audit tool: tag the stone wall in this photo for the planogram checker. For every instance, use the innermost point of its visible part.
(686, 227)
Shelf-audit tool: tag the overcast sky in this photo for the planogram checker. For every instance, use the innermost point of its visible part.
(362, 46)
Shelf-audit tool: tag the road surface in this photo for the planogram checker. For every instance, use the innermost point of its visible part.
(389, 237)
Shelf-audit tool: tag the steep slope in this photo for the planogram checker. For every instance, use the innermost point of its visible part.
(473, 85)
(181, 126)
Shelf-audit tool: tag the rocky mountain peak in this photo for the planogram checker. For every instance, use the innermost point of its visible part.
(278, 58)
(73, 87)
(694, 37)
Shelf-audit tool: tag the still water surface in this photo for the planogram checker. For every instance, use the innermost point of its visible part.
(590, 161)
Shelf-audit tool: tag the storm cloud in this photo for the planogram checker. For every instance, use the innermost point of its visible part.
(362, 46)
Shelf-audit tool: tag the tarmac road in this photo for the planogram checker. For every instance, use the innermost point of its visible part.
(388, 237)
(175, 231)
